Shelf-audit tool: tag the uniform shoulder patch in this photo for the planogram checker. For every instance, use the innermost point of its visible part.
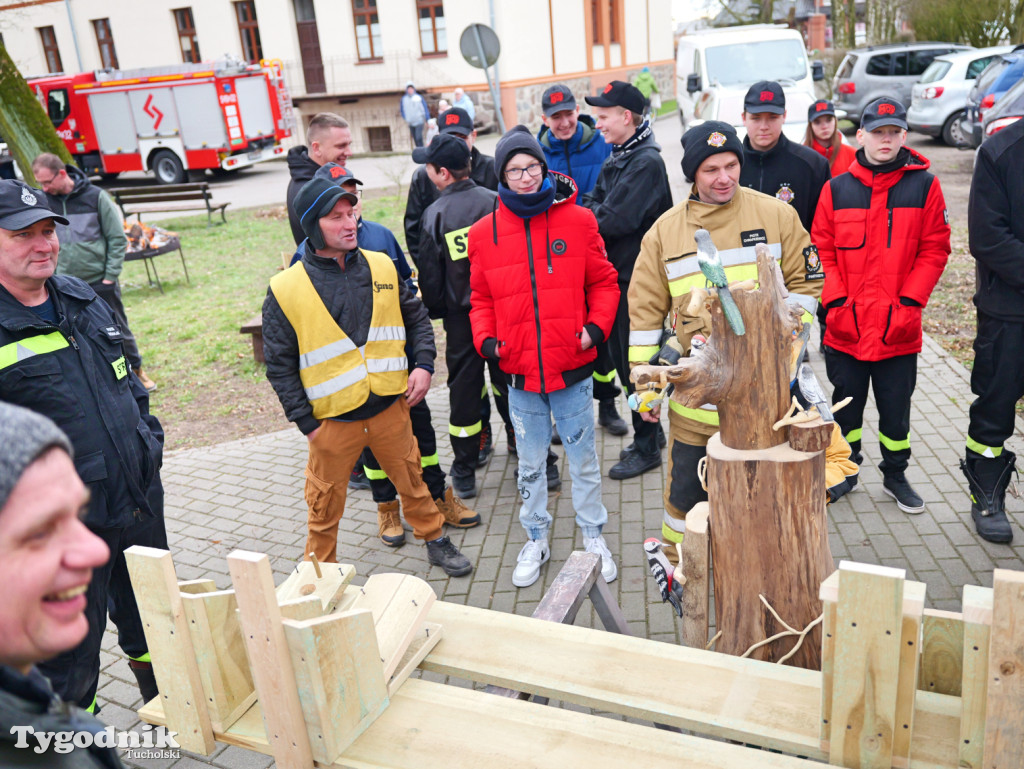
(785, 193)
(812, 264)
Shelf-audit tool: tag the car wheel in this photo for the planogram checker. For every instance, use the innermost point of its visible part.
(953, 131)
(168, 168)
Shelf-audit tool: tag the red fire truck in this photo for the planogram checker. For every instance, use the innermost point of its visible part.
(170, 120)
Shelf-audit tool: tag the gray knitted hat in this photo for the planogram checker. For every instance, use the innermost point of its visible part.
(24, 436)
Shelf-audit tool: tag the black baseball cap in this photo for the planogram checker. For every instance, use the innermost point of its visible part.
(336, 174)
(455, 121)
(765, 96)
(557, 98)
(22, 206)
(883, 112)
(619, 94)
(819, 108)
(445, 151)
(316, 199)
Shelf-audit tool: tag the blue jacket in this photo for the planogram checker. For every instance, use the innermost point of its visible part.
(581, 157)
(375, 237)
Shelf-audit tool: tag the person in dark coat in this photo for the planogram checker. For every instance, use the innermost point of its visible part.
(330, 141)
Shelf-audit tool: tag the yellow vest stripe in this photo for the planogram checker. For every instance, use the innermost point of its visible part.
(336, 384)
(31, 346)
(383, 365)
(325, 353)
(707, 416)
(642, 353)
(386, 334)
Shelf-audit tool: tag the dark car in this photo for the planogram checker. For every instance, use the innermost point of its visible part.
(1000, 75)
(1005, 112)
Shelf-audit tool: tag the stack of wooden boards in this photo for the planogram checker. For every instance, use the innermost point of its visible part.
(317, 670)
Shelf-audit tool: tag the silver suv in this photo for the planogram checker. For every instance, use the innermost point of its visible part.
(890, 70)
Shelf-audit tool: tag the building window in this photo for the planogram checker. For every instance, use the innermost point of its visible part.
(379, 138)
(433, 34)
(105, 40)
(368, 43)
(187, 35)
(245, 12)
(605, 15)
(50, 50)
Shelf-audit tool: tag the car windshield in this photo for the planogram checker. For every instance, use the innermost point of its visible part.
(936, 71)
(748, 63)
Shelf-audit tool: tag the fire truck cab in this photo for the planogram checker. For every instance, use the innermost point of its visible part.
(170, 120)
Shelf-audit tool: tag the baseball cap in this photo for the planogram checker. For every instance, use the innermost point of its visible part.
(765, 96)
(445, 151)
(22, 206)
(819, 108)
(557, 98)
(316, 199)
(455, 121)
(335, 174)
(619, 94)
(883, 112)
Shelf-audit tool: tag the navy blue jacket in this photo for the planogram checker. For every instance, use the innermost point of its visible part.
(580, 158)
(375, 237)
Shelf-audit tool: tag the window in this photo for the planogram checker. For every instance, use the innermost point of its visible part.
(248, 28)
(57, 106)
(50, 50)
(879, 65)
(974, 69)
(899, 64)
(433, 33)
(379, 138)
(105, 40)
(368, 43)
(605, 15)
(187, 35)
(919, 61)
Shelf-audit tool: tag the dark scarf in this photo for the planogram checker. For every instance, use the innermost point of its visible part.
(529, 205)
(901, 159)
(641, 133)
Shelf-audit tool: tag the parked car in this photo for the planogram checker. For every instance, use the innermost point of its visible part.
(1001, 73)
(1005, 112)
(939, 99)
(890, 70)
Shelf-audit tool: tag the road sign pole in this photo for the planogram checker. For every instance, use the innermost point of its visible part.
(490, 82)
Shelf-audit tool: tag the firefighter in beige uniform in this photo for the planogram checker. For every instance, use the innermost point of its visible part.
(667, 271)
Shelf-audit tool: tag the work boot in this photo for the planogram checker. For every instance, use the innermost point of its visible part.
(358, 481)
(486, 447)
(662, 441)
(988, 479)
(534, 554)
(907, 500)
(464, 485)
(609, 418)
(635, 463)
(455, 511)
(144, 676)
(598, 546)
(148, 383)
(389, 524)
(554, 479)
(441, 552)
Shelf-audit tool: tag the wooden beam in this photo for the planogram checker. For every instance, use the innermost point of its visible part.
(1004, 719)
(423, 642)
(399, 604)
(697, 590)
(829, 595)
(942, 649)
(977, 607)
(304, 582)
(906, 687)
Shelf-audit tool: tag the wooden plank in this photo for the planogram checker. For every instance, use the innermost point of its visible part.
(942, 649)
(170, 647)
(829, 595)
(304, 582)
(697, 590)
(563, 599)
(869, 620)
(608, 609)
(423, 643)
(977, 607)
(193, 586)
(1004, 719)
(270, 659)
(301, 609)
(399, 604)
(339, 677)
(906, 687)
(220, 655)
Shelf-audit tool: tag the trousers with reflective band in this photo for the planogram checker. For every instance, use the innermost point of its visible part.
(31, 346)
(337, 375)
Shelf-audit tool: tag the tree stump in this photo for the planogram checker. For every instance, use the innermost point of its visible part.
(769, 534)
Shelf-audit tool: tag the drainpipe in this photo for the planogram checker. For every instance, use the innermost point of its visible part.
(74, 34)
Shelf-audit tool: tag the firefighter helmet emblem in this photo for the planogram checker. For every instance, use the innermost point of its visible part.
(27, 197)
(785, 194)
(717, 139)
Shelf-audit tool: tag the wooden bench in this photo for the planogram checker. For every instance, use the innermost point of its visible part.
(135, 201)
(254, 326)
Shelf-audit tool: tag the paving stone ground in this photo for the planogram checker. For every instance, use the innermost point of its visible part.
(247, 494)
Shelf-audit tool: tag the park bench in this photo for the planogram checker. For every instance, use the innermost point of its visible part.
(254, 326)
(135, 201)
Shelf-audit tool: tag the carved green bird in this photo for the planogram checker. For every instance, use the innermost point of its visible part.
(711, 266)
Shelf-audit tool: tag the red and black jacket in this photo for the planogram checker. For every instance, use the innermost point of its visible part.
(883, 239)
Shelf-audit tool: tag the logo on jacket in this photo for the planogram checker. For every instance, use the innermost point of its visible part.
(812, 264)
(378, 287)
(451, 119)
(886, 109)
(785, 194)
(27, 197)
(558, 247)
(717, 139)
(557, 97)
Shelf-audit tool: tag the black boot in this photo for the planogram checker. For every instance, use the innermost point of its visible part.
(987, 480)
(662, 442)
(609, 418)
(147, 681)
(486, 446)
(441, 552)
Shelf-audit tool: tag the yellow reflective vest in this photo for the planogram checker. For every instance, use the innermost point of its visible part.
(337, 375)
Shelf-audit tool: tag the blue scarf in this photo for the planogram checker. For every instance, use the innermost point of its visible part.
(529, 205)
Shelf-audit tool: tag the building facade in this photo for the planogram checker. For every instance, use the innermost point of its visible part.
(354, 57)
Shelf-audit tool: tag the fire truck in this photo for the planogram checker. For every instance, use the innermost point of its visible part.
(170, 120)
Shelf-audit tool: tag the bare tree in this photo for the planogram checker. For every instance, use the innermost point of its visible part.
(844, 20)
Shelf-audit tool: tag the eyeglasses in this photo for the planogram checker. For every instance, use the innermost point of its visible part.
(515, 174)
(44, 182)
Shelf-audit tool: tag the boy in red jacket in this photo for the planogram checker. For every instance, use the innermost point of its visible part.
(882, 233)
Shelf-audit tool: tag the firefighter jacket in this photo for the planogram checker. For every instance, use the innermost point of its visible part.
(788, 171)
(360, 300)
(92, 244)
(536, 284)
(667, 270)
(995, 217)
(75, 373)
(444, 246)
(883, 238)
(422, 193)
(581, 157)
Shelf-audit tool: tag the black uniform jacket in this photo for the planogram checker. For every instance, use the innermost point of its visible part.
(788, 171)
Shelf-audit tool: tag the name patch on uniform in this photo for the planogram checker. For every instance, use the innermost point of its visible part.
(753, 237)
(113, 333)
(458, 243)
(812, 264)
(120, 368)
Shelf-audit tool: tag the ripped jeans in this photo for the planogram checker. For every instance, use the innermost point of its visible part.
(573, 410)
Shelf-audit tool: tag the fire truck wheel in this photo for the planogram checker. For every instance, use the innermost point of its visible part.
(168, 168)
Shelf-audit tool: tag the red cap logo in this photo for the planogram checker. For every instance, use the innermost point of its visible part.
(886, 109)
(337, 171)
(607, 88)
(820, 106)
(451, 119)
(767, 95)
(557, 96)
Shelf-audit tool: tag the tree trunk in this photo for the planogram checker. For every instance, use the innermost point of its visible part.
(23, 121)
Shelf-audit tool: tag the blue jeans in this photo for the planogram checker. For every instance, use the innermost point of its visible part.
(573, 410)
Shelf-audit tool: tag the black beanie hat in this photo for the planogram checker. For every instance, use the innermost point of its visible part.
(516, 140)
(707, 139)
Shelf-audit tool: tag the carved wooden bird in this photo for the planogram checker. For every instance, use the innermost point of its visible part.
(711, 266)
(810, 388)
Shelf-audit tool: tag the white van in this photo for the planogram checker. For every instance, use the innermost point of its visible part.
(716, 67)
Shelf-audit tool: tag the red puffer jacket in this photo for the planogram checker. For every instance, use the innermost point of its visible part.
(882, 238)
(535, 284)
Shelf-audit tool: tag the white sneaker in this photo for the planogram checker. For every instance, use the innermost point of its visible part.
(534, 553)
(598, 546)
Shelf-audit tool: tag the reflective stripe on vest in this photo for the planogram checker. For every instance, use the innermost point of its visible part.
(30, 347)
(739, 263)
(337, 375)
(706, 414)
(672, 529)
